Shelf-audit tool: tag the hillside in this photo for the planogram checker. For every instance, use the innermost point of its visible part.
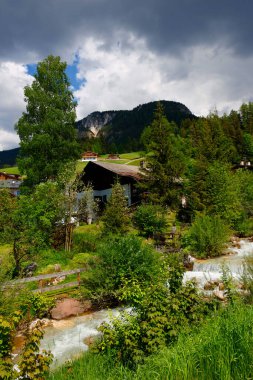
(119, 130)
(124, 128)
(8, 157)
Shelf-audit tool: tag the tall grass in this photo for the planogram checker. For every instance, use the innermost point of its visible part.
(221, 349)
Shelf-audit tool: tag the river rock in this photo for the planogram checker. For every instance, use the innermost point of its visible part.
(89, 341)
(211, 285)
(219, 294)
(69, 307)
(45, 322)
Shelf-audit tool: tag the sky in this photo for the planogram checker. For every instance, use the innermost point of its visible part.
(122, 53)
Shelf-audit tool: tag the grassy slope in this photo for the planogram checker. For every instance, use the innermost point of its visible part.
(124, 158)
(11, 170)
(220, 349)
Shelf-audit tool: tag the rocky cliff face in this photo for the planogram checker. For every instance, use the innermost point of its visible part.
(93, 123)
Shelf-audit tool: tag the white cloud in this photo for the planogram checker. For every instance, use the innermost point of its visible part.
(13, 79)
(203, 77)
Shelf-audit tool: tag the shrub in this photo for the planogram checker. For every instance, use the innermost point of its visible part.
(207, 236)
(156, 322)
(121, 260)
(32, 364)
(36, 305)
(150, 220)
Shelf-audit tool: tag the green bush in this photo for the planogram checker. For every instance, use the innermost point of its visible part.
(150, 220)
(32, 364)
(36, 305)
(207, 236)
(156, 322)
(122, 260)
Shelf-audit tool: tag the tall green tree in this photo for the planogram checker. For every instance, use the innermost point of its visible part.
(246, 112)
(46, 129)
(165, 163)
(116, 217)
(210, 142)
(28, 222)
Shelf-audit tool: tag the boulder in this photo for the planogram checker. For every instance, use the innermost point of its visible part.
(219, 294)
(210, 285)
(90, 340)
(69, 307)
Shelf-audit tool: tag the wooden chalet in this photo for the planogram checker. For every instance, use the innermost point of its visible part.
(113, 156)
(89, 156)
(11, 182)
(103, 175)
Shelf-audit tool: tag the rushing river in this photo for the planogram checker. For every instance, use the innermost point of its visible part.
(65, 338)
(211, 269)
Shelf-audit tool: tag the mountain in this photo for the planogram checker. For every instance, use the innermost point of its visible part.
(119, 131)
(8, 157)
(123, 128)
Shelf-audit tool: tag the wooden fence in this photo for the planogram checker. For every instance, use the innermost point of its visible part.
(40, 279)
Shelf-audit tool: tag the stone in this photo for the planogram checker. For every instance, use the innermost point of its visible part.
(45, 322)
(221, 286)
(89, 341)
(57, 267)
(210, 285)
(69, 307)
(219, 294)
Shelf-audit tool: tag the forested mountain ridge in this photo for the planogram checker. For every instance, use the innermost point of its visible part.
(121, 129)
(124, 128)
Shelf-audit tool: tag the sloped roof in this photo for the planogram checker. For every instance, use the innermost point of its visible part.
(120, 169)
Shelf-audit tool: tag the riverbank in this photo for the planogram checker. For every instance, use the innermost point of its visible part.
(220, 348)
(66, 338)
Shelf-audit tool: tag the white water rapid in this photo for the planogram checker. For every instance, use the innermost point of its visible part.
(211, 269)
(65, 338)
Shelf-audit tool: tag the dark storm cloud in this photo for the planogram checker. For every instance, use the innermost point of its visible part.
(35, 28)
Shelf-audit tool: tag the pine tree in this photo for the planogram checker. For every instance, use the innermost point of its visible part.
(115, 217)
(165, 162)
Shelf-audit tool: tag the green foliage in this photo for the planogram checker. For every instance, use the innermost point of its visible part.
(222, 193)
(150, 220)
(122, 260)
(209, 140)
(207, 236)
(32, 364)
(229, 286)
(46, 129)
(166, 164)
(219, 348)
(83, 260)
(115, 217)
(36, 305)
(246, 112)
(247, 279)
(175, 266)
(86, 240)
(28, 222)
(156, 322)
